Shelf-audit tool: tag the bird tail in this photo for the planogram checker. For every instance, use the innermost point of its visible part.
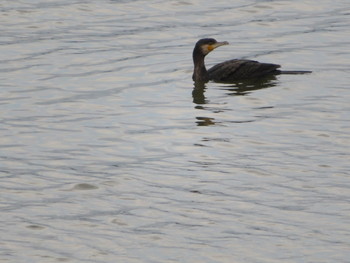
(295, 72)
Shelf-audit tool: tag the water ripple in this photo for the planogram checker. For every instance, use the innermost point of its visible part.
(110, 153)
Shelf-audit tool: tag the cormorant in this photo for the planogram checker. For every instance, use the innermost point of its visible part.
(231, 70)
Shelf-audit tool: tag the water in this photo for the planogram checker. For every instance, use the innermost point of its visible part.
(109, 154)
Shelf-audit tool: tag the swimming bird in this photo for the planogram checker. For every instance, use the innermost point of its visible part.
(230, 70)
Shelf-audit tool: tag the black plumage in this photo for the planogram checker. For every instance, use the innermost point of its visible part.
(231, 70)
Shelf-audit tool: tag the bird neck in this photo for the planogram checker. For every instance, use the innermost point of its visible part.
(200, 73)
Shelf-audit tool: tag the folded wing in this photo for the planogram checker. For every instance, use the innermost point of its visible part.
(238, 69)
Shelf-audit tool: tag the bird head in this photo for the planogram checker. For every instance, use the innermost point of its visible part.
(206, 45)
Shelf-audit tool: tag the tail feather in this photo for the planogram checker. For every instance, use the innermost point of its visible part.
(295, 72)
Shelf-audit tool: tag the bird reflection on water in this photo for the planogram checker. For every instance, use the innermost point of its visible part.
(239, 88)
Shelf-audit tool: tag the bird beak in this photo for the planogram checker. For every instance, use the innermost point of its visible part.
(217, 44)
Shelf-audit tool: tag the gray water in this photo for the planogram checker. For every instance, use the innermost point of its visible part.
(109, 153)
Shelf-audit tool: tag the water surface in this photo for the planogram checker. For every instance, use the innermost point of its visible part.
(109, 153)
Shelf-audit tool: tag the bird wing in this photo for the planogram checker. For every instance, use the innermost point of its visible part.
(237, 69)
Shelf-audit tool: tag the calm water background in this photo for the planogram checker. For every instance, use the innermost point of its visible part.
(108, 154)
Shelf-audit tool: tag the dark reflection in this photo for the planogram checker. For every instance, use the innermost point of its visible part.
(198, 93)
(241, 88)
(205, 121)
